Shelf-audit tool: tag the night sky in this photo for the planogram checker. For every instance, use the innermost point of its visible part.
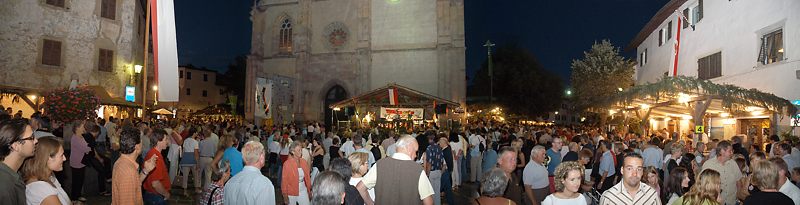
(211, 33)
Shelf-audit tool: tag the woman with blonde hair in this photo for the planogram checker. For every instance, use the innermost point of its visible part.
(650, 177)
(765, 177)
(42, 187)
(568, 177)
(705, 192)
(296, 182)
(360, 166)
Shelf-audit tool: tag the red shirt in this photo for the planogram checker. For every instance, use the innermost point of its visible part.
(159, 173)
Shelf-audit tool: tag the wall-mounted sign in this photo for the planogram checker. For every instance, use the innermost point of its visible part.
(795, 121)
(699, 129)
(130, 93)
(796, 102)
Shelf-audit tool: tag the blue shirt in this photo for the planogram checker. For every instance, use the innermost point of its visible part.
(235, 158)
(489, 160)
(249, 187)
(652, 157)
(555, 160)
(434, 156)
(607, 164)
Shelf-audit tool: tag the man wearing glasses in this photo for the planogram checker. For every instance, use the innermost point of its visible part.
(16, 143)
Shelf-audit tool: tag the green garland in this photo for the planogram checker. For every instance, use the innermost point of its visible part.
(733, 97)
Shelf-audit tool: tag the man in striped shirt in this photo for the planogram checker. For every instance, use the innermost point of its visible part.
(631, 190)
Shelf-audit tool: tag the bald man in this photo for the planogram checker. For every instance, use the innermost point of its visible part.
(393, 173)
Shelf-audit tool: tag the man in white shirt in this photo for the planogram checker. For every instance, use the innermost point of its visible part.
(534, 176)
(475, 165)
(347, 147)
(783, 150)
(787, 187)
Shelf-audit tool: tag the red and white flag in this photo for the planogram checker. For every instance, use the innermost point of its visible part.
(676, 47)
(165, 49)
(393, 96)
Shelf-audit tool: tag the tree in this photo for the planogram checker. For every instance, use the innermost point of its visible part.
(521, 84)
(234, 80)
(601, 73)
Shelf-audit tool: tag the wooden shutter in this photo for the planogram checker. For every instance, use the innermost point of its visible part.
(762, 51)
(105, 60)
(669, 30)
(660, 37)
(686, 16)
(51, 52)
(108, 9)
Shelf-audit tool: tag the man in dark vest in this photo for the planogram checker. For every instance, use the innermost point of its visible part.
(390, 178)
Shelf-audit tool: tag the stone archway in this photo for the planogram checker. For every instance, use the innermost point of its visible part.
(334, 94)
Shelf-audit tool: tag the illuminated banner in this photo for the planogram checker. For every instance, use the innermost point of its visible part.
(130, 93)
(402, 113)
(263, 98)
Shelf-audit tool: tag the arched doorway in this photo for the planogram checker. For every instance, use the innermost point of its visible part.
(334, 95)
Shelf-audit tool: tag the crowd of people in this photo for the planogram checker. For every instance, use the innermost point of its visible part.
(232, 163)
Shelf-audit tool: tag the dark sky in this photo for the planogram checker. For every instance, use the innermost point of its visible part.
(212, 32)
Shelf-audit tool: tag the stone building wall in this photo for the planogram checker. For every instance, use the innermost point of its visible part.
(82, 32)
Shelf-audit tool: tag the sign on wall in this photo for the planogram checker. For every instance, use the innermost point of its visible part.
(402, 113)
(263, 98)
(130, 93)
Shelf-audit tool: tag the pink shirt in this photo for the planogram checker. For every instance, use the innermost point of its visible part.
(79, 147)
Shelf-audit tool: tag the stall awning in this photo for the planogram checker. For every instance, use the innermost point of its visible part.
(106, 99)
(683, 96)
(404, 97)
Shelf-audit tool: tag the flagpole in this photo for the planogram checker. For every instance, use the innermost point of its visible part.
(146, 51)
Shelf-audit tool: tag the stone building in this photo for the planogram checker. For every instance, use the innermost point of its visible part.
(330, 50)
(48, 43)
(199, 89)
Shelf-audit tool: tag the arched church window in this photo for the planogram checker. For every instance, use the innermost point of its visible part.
(285, 36)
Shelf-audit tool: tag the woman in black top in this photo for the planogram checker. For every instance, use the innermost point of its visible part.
(334, 150)
(765, 177)
(318, 154)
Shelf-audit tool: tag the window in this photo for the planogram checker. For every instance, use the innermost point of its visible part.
(205, 93)
(105, 60)
(221, 92)
(669, 30)
(188, 75)
(180, 74)
(57, 3)
(188, 91)
(285, 36)
(693, 14)
(643, 58)
(51, 52)
(710, 66)
(108, 9)
(771, 47)
(661, 37)
(205, 77)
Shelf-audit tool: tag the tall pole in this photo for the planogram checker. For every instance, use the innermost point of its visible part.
(488, 46)
(146, 51)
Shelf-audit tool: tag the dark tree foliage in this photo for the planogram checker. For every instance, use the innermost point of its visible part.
(521, 84)
(234, 80)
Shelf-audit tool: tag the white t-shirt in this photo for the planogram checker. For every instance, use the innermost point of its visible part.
(535, 175)
(37, 191)
(347, 148)
(190, 144)
(354, 182)
(552, 199)
(275, 147)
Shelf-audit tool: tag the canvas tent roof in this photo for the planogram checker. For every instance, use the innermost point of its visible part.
(407, 97)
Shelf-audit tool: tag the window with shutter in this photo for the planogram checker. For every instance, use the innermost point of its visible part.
(105, 60)
(772, 49)
(669, 30)
(685, 16)
(108, 9)
(699, 11)
(51, 52)
(57, 3)
(660, 37)
(710, 66)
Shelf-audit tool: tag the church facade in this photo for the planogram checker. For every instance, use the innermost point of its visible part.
(317, 52)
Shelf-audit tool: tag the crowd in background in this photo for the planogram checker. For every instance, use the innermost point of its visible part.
(140, 162)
